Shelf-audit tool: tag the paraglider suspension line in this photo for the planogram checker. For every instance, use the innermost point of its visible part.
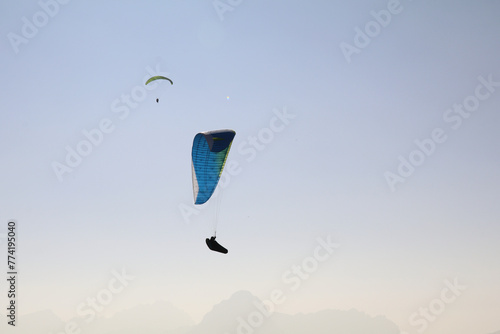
(217, 209)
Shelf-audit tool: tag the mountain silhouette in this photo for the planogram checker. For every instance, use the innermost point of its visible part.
(245, 313)
(241, 313)
(38, 322)
(156, 318)
(224, 316)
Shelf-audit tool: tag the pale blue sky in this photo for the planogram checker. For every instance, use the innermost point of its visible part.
(321, 174)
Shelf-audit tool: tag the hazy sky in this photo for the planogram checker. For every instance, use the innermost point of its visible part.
(374, 124)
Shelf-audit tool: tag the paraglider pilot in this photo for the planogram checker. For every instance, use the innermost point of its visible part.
(215, 246)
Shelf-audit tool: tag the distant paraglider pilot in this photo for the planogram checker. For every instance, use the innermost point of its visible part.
(158, 77)
(215, 246)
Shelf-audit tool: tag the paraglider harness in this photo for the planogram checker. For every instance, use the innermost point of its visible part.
(215, 246)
